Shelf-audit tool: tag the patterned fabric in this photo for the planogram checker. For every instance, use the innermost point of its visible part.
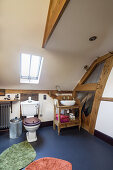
(17, 156)
(63, 118)
(49, 164)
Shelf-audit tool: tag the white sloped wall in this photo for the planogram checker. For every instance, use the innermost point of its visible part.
(104, 121)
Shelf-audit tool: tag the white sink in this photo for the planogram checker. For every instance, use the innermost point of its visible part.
(67, 102)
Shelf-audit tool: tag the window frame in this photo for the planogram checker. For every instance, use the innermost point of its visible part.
(30, 78)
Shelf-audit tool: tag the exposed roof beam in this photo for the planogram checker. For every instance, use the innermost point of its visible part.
(92, 67)
(109, 99)
(89, 122)
(56, 9)
(34, 91)
(87, 87)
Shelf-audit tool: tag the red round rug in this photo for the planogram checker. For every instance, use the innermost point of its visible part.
(49, 164)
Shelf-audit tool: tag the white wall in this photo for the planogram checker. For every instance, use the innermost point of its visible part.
(104, 121)
(46, 110)
(108, 91)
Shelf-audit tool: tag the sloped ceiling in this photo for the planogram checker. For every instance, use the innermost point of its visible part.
(22, 24)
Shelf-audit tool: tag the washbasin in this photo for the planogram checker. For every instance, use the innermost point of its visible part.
(67, 102)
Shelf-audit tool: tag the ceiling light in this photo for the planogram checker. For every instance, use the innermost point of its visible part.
(93, 38)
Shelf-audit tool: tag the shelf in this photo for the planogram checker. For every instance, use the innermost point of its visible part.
(71, 123)
(68, 107)
(8, 100)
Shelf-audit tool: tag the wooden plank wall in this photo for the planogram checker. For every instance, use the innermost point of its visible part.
(56, 9)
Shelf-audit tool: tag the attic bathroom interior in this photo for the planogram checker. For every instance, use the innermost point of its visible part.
(56, 85)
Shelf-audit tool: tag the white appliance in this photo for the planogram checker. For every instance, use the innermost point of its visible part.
(29, 108)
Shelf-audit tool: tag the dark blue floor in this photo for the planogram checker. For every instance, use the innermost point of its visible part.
(84, 151)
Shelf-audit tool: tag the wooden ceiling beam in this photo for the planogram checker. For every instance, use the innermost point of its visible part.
(10, 91)
(56, 9)
(109, 99)
(87, 87)
(88, 73)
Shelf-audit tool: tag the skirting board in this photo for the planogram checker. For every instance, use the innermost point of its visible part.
(4, 130)
(104, 137)
(48, 123)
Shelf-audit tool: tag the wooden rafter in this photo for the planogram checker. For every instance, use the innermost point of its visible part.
(88, 73)
(89, 122)
(98, 95)
(28, 91)
(56, 9)
(92, 67)
(53, 92)
(110, 99)
(87, 87)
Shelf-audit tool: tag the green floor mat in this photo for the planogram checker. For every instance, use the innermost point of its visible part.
(17, 156)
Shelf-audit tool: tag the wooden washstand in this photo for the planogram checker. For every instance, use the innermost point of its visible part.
(59, 106)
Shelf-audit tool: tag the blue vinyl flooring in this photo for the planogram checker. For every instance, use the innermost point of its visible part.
(84, 151)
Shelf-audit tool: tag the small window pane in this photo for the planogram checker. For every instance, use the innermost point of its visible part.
(35, 66)
(25, 64)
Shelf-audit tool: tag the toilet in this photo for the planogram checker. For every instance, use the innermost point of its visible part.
(29, 109)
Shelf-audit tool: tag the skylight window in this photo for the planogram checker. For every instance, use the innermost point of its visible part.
(30, 68)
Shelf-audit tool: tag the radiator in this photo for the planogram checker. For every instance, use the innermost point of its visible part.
(4, 115)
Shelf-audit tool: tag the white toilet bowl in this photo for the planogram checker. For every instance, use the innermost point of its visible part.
(31, 125)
